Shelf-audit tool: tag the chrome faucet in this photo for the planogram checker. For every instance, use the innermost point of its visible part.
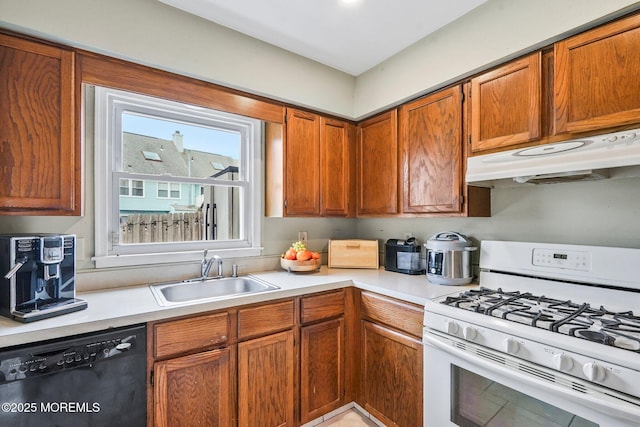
(206, 264)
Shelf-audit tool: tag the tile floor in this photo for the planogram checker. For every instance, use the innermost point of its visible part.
(349, 418)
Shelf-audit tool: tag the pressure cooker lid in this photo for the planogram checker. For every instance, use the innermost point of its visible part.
(448, 241)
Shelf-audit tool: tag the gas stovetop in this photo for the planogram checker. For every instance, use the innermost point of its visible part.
(577, 319)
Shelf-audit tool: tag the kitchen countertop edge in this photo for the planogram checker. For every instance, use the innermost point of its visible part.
(119, 307)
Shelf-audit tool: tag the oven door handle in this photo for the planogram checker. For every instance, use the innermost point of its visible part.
(628, 411)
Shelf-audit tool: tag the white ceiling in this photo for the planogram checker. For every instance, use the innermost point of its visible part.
(349, 37)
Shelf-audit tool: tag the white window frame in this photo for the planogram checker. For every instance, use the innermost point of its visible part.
(130, 187)
(109, 106)
(169, 184)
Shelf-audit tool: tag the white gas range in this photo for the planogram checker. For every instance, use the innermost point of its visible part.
(550, 337)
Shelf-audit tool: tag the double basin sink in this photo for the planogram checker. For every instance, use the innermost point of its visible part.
(205, 290)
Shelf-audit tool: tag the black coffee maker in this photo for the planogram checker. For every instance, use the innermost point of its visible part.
(40, 276)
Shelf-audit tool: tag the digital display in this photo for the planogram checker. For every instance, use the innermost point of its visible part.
(559, 256)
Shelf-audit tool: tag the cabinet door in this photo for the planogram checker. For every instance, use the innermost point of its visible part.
(431, 141)
(596, 78)
(302, 164)
(40, 171)
(265, 381)
(193, 390)
(378, 165)
(337, 155)
(322, 368)
(392, 376)
(506, 104)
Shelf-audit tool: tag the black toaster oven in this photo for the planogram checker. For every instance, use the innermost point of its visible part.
(403, 256)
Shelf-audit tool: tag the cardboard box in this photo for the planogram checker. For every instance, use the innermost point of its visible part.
(353, 254)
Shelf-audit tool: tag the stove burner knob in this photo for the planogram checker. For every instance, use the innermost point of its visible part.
(562, 362)
(510, 346)
(593, 371)
(452, 327)
(469, 333)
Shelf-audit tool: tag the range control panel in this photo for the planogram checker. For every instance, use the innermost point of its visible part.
(571, 260)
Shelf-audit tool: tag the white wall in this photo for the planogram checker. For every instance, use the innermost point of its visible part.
(152, 33)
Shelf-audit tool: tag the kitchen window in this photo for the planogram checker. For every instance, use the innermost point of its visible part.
(172, 179)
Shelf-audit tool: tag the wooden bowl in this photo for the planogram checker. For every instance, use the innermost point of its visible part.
(296, 265)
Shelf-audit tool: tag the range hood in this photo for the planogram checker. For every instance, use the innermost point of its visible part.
(597, 157)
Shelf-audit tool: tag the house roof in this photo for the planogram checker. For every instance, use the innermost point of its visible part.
(138, 157)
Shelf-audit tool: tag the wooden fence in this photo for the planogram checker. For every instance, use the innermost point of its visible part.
(151, 228)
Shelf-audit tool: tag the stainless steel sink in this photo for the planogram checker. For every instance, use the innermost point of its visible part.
(193, 291)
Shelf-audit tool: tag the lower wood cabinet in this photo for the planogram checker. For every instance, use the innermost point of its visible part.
(191, 367)
(391, 377)
(194, 390)
(266, 381)
(288, 362)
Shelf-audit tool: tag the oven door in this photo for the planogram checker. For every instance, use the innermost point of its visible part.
(467, 385)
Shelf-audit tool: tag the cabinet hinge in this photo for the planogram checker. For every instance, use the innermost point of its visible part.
(463, 96)
(461, 200)
(469, 139)
(469, 91)
(151, 378)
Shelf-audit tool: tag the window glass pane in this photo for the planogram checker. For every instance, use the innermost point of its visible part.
(198, 213)
(154, 145)
(175, 191)
(163, 189)
(137, 188)
(124, 187)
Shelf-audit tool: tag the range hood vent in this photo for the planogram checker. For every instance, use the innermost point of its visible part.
(592, 158)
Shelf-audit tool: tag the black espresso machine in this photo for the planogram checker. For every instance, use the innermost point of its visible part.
(39, 276)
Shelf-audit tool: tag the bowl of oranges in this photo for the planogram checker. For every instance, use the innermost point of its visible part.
(299, 258)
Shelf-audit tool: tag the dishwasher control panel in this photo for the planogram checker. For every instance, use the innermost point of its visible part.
(29, 362)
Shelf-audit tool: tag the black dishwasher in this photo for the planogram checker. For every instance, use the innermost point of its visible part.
(96, 380)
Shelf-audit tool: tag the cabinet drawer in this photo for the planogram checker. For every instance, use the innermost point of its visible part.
(188, 335)
(321, 306)
(265, 319)
(401, 315)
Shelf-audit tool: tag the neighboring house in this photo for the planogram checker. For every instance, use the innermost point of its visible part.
(149, 155)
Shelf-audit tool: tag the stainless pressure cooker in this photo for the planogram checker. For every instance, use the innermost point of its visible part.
(449, 259)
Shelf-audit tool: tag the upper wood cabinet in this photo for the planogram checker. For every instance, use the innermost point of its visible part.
(302, 164)
(431, 153)
(377, 165)
(337, 167)
(310, 172)
(506, 104)
(597, 75)
(39, 150)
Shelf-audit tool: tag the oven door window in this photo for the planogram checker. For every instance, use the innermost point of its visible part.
(478, 401)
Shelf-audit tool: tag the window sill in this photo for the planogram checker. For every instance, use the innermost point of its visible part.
(170, 257)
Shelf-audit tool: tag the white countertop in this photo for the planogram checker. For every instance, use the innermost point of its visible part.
(127, 306)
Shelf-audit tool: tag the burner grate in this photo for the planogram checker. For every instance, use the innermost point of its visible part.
(621, 330)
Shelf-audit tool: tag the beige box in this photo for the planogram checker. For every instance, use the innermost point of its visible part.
(353, 254)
